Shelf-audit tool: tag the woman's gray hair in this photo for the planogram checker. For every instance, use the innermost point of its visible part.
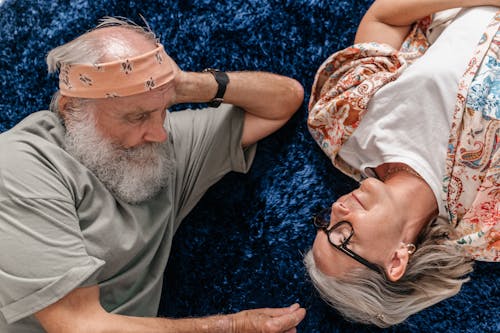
(88, 49)
(435, 272)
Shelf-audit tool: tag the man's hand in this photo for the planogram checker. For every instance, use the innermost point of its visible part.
(278, 320)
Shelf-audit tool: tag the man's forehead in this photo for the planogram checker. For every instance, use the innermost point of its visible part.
(134, 104)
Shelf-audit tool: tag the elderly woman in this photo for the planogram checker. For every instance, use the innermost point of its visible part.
(397, 113)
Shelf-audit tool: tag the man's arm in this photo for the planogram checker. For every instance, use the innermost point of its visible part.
(389, 21)
(80, 311)
(269, 100)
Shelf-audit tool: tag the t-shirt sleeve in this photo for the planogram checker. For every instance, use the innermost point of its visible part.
(42, 253)
(207, 145)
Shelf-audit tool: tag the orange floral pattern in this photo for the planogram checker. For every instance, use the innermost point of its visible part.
(347, 80)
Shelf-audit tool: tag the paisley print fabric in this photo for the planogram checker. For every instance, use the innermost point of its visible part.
(347, 80)
(472, 185)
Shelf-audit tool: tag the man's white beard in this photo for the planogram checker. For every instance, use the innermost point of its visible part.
(133, 175)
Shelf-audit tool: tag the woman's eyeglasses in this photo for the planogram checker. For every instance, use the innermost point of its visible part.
(339, 236)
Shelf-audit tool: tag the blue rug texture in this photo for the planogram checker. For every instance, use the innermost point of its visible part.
(242, 246)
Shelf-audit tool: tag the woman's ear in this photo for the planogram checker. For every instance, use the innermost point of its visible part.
(397, 266)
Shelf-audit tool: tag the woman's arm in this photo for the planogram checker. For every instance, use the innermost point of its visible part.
(389, 21)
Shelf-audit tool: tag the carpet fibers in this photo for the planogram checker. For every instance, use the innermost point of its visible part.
(242, 246)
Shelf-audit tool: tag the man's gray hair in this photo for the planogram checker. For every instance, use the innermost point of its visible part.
(435, 272)
(87, 49)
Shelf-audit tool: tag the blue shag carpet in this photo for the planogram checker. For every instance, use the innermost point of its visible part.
(242, 246)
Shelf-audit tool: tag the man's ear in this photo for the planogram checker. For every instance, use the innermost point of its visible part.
(62, 105)
(396, 268)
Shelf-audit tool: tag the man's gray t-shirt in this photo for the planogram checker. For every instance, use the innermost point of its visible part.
(60, 227)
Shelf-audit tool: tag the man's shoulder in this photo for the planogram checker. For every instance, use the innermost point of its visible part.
(39, 123)
(203, 117)
(38, 127)
(212, 112)
(33, 142)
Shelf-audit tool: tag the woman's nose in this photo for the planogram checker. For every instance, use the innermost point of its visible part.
(339, 209)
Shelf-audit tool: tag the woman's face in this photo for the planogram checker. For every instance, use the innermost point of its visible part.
(375, 215)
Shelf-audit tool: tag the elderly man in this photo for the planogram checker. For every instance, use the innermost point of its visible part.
(93, 192)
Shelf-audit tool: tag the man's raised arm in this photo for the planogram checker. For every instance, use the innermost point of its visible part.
(268, 99)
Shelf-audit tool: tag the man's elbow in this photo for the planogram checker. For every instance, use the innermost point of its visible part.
(293, 99)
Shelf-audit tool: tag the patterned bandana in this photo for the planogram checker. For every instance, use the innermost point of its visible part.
(118, 78)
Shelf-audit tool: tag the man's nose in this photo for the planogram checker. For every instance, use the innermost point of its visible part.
(155, 131)
(156, 134)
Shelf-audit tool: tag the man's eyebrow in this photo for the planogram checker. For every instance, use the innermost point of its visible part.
(140, 111)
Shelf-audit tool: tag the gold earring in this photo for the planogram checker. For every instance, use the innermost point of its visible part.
(410, 247)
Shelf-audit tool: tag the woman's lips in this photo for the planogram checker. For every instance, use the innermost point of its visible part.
(357, 199)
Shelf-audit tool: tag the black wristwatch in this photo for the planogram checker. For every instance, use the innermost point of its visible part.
(222, 82)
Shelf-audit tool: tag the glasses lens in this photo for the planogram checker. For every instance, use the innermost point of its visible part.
(322, 220)
(340, 233)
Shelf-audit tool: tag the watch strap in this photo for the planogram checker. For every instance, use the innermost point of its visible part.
(222, 80)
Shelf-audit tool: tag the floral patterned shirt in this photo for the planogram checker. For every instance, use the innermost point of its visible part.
(347, 80)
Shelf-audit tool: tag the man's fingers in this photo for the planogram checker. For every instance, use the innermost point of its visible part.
(288, 321)
(276, 312)
(270, 320)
